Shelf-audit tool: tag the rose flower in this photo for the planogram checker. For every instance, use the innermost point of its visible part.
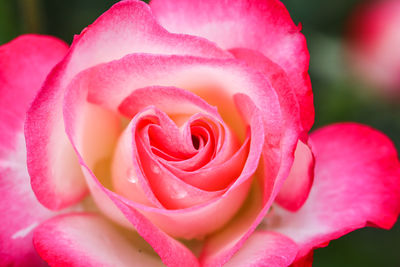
(373, 45)
(177, 134)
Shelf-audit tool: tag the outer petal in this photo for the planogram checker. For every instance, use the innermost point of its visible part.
(306, 261)
(128, 27)
(24, 64)
(264, 26)
(88, 240)
(171, 251)
(265, 249)
(297, 186)
(357, 183)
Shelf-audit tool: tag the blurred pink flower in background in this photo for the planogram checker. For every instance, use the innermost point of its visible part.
(374, 45)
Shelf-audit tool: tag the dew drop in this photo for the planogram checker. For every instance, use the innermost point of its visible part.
(130, 173)
(177, 193)
(180, 195)
(155, 169)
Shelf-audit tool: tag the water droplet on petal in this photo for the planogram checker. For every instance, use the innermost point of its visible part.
(181, 195)
(155, 169)
(132, 177)
(177, 193)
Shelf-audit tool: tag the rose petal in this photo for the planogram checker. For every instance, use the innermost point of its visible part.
(265, 249)
(24, 64)
(19, 206)
(171, 251)
(279, 81)
(306, 261)
(220, 247)
(297, 186)
(128, 27)
(84, 239)
(263, 26)
(216, 176)
(214, 80)
(357, 183)
(171, 100)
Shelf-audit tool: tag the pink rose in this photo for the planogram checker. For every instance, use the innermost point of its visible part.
(374, 45)
(184, 144)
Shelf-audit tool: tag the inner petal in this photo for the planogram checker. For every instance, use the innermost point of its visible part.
(208, 134)
(160, 183)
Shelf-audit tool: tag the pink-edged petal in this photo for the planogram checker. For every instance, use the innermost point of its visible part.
(171, 251)
(86, 239)
(263, 26)
(297, 186)
(299, 182)
(214, 80)
(288, 97)
(24, 64)
(128, 27)
(221, 246)
(306, 261)
(216, 176)
(357, 183)
(169, 189)
(171, 100)
(265, 249)
(20, 208)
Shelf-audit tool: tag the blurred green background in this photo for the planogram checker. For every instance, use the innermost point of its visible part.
(338, 96)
